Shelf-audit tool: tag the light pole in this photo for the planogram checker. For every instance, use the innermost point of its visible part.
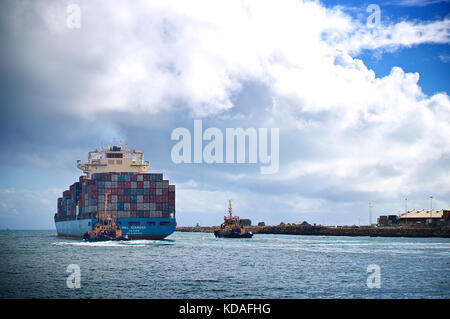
(370, 214)
(431, 209)
(406, 205)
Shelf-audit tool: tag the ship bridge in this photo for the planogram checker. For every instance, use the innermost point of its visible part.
(114, 159)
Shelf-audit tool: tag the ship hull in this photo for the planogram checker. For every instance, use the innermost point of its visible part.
(134, 228)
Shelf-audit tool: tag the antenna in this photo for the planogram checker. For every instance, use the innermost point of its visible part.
(431, 209)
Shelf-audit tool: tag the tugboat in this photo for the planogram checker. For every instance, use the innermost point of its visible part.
(231, 227)
(107, 227)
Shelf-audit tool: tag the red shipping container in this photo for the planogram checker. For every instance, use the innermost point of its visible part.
(126, 184)
(140, 184)
(152, 191)
(158, 206)
(120, 185)
(146, 213)
(133, 214)
(165, 191)
(133, 206)
(152, 184)
(146, 177)
(171, 201)
(133, 178)
(146, 199)
(152, 198)
(126, 198)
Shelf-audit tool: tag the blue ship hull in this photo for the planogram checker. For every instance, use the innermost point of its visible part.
(134, 228)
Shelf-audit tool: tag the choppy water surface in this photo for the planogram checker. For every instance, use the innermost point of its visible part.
(33, 264)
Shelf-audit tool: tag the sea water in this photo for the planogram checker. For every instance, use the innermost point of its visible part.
(38, 264)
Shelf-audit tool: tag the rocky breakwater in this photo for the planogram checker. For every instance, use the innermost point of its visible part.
(306, 229)
(198, 229)
(399, 231)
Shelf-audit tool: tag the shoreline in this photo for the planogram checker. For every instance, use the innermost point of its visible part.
(398, 231)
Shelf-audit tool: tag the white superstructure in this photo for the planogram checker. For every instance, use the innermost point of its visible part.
(114, 159)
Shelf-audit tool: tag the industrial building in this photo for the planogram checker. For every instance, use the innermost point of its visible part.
(424, 216)
(388, 220)
(416, 217)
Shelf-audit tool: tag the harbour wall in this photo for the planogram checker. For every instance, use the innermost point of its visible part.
(398, 231)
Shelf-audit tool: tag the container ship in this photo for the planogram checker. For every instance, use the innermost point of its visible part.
(116, 182)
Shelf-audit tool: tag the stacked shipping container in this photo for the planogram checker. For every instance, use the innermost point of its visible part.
(130, 195)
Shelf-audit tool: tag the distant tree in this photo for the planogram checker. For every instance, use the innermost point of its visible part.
(261, 224)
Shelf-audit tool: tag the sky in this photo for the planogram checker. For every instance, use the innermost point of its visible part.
(360, 99)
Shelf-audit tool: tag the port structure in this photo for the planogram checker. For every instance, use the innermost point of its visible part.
(114, 159)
